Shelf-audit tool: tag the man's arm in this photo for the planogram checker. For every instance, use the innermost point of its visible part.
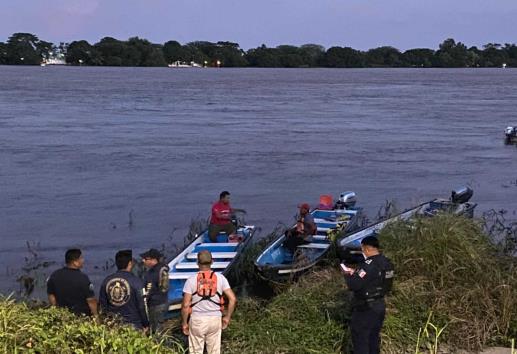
(232, 302)
(92, 304)
(141, 305)
(52, 299)
(185, 311)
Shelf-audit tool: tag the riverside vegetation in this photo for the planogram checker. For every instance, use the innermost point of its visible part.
(454, 289)
(28, 49)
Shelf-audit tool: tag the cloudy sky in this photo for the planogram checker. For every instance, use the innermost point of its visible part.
(361, 24)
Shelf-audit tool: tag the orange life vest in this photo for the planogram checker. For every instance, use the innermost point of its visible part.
(207, 289)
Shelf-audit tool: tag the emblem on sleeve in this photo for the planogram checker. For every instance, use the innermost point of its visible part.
(119, 291)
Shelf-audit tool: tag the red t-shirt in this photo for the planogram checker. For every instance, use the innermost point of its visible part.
(220, 207)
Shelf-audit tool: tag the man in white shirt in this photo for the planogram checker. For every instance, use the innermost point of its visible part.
(202, 312)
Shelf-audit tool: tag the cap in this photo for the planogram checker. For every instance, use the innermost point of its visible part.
(152, 253)
(304, 206)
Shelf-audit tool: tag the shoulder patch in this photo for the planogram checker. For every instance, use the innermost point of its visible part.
(91, 287)
(361, 273)
(119, 291)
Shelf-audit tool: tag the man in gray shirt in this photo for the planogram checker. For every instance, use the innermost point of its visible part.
(202, 312)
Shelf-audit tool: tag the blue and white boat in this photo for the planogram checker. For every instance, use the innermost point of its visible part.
(278, 264)
(225, 255)
(349, 247)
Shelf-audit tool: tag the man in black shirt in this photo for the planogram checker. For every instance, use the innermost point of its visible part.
(70, 288)
(156, 282)
(370, 282)
(122, 293)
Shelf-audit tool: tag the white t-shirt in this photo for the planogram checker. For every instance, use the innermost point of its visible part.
(206, 307)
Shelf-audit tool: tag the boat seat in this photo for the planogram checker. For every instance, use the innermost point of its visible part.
(315, 245)
(193, 265)
(319, 237)
(218, 244)
(324, 229)
(181, 275)
(324, 221)
(215, 255)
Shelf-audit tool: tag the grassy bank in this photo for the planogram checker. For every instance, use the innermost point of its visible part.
(453, 290)
(51, 330)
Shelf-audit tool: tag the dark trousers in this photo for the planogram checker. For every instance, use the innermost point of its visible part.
(365, 325)
(293, 239)
(156, 317)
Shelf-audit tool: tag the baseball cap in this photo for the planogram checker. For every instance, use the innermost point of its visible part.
(304, 206)
(152, 253)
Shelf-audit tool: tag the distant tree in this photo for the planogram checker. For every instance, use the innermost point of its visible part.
(263, 57)
(511, 51)
(337, 57)
(174, 51)
(141, 52)
(289, 56)
(493, 55)
(25, 49)
(4, 54)
(383, 56)
(312, 54)
(452, 55)
(419, 57)
(230, 54)
(82, 52)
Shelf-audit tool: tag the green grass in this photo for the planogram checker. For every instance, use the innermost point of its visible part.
(53, 330)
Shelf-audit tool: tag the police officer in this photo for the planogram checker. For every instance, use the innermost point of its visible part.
(122, 293)
(69, 287)
(370, 282)
(156, 282)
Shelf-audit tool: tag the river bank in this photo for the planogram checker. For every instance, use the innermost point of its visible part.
(455, 291)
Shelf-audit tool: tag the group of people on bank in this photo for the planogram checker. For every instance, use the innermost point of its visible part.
(143, 303)
(140, 302)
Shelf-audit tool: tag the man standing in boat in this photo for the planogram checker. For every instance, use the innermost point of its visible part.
(221, 219)
(304, 230)
(202, 311)
(370, 282)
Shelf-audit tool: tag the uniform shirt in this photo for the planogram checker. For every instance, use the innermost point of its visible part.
(223, 208)
(156, 281)
(71, 287)
(121, 294)
(206, 307)
(367, 279)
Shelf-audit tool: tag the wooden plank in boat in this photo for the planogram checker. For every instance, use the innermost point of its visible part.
(315, 245)
(215, 255)
(193, 265)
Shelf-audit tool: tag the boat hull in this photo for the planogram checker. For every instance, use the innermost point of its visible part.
(225, 256)
(276, 264)
(349, 247)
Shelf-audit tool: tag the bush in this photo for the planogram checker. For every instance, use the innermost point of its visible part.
(55, 330)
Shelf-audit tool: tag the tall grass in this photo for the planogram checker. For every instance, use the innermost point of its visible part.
(447, 265)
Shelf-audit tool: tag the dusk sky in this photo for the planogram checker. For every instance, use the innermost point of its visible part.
(361, 24)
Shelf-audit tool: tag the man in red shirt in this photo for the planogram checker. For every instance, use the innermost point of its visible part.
(221, 219)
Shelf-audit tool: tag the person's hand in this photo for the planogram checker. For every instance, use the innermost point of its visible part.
(225, 322)
(185, 329)
(146, 330)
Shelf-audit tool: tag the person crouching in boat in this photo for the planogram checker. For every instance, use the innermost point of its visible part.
(303, 231)
(221, 219)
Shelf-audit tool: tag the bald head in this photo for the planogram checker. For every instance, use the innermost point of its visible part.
(204, 258)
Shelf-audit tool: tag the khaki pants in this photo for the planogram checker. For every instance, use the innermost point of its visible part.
(205, 330)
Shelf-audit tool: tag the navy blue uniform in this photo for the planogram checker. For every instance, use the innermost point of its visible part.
(369, 283)
(156, 281)
(71, 287)
(122, 294)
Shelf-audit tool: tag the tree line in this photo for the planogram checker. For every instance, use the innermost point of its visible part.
(28, 49)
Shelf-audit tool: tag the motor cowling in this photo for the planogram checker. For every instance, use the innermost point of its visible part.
(461, 195)
(511, 131)
(348, 199)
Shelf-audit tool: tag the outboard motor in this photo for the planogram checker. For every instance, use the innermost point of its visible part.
(511, 131)
(461, 195)
(347, 199)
